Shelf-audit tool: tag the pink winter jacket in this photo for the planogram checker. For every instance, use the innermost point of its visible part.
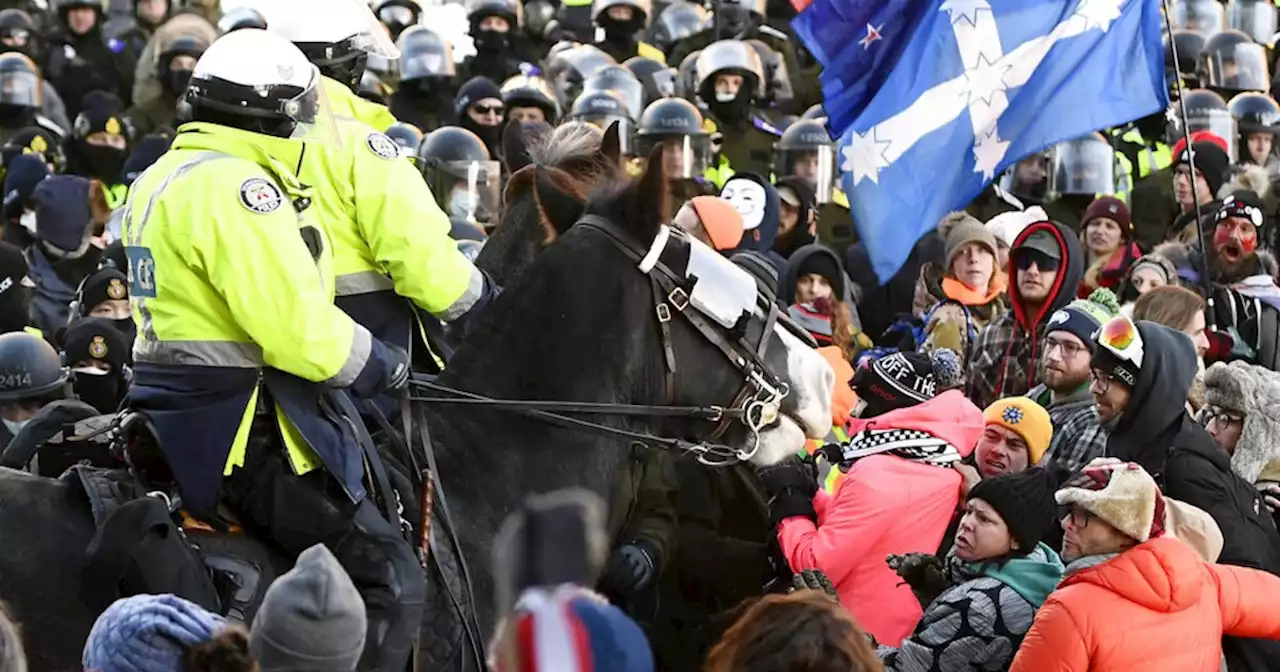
(885, 505)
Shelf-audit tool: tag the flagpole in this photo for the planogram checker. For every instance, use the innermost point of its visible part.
(1210, 313)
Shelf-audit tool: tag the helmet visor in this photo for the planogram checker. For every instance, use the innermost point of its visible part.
(396, 15)
(815, 165)
(684, 157)
(1206, 16)
(20, 89)
(1218, 122)
(1241, 67)
(1257, 19)
(1083, 167)
(427, 64)
(372, 37)
(470, 190)
(631, 92)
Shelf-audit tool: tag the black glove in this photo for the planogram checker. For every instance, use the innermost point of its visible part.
(790, 486)
(632, 567)
(398, 369)
(923, 572)
(814, 579)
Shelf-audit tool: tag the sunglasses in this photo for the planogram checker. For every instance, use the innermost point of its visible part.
(1120, 336)
(1024, 258)
(487, 109)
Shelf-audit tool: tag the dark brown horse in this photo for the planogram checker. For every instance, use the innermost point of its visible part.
(546, 195)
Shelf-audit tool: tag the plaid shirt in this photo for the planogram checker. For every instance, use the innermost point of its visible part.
(1078, 438)
(1001, 362)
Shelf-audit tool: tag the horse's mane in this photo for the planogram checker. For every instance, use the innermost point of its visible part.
(574, 148)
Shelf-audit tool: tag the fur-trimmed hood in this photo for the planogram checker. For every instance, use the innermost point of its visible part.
(1254, 392)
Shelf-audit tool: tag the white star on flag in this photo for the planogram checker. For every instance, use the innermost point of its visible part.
(965, 9)
(1099, 13)
(873, 35)
(864, 156)
(987, 154)
(986, 79)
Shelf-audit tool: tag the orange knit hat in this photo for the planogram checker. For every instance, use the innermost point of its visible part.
(720, 219)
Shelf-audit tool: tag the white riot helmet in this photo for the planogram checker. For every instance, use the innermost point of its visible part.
(339, 36)
(256, 81)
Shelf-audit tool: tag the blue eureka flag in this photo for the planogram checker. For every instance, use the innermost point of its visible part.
(964, 89)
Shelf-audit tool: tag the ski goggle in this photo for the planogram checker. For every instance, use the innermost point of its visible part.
(1120, 337)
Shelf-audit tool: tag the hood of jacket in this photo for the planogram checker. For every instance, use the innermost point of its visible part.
(1254, 392)
(950, 416)
(800, 236)
(1149, 423)
(787, 288)
(1032, 576)
(146, 87)
(761, 237)
(1163, 575)
(1070, 273)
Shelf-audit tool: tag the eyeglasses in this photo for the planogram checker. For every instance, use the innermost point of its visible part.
(487, 109)
(1079, 517)
(1219, 417)
(1121, 337)
(1024, 258)
(1069, 349)
(1101, 380)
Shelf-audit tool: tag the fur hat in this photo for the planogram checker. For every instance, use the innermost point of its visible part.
(1254, 392)
(1122, 494)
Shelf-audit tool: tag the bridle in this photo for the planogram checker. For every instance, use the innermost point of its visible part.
(756, 405)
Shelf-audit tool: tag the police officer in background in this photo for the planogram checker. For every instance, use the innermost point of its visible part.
(618, 23)
(679, 21)
(428, 76)
(148, 15)
(1232, 62)
(398, 16)
(236, 370)
(177, 57)
(21, 97)
(500, 44)
(339, 37)
(31, 377)
(730, 77)
(807, 152)
(1257, 122)
(529, 99)
(462, 175)
(80, 59)
(658, 80)
(1080, 170)
(676, 125)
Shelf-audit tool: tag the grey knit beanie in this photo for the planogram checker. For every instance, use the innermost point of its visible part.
(312, 619)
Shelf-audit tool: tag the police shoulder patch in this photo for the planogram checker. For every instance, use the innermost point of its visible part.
(383, 145)
(260, 196)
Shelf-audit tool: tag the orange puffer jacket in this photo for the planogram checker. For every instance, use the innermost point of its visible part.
(1156, 606)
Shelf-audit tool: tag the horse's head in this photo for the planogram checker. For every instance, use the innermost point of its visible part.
(547, 193)
(720, 343)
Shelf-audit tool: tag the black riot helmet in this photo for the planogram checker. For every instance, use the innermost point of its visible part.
(240, 18)
(425, 54)
(63, 7)
(408, 136)
(398, 15)
(675, 124)
(30, 369)
(1232, 62)
(18, 25)
(1206, 111)
(603, 109)
(680, 20)
(478, 10)
(622, 83)
(641, 10)
(175, 82)
(538, 16)
(20, 83)
(1256, 113)
(1256, 18)
(806, 151)
(463, 177)
(729, 57)
(1206, 16)
(815, 111)
(1187, 44)
(531, 91)
(738, 19)
(658, 80)
(568, 68)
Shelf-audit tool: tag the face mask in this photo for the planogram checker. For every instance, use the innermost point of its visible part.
(104, 163)
(490, 40)
(128, 328)
(177, 80)
(14, 426)
(731, 107)
(747, 198)
(461, 205)
(100, 389)
(28, 221)
(725, 97)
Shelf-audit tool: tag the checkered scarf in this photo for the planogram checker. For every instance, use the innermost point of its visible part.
(909, 444)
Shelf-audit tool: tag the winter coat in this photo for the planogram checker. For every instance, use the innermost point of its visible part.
(1003, 361)
(1150, 425)
(1199, 473)
(1156, 606)
(952, 311)
(427, 114)
(979, 621)
(720, 558)
(885, 505)
(78, 64)
(643, 503)
(146, 79)
(1111, 272)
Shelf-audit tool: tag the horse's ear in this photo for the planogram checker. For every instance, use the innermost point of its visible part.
(611, 144)
(653, 188)
(515, 148)
(560, 208)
